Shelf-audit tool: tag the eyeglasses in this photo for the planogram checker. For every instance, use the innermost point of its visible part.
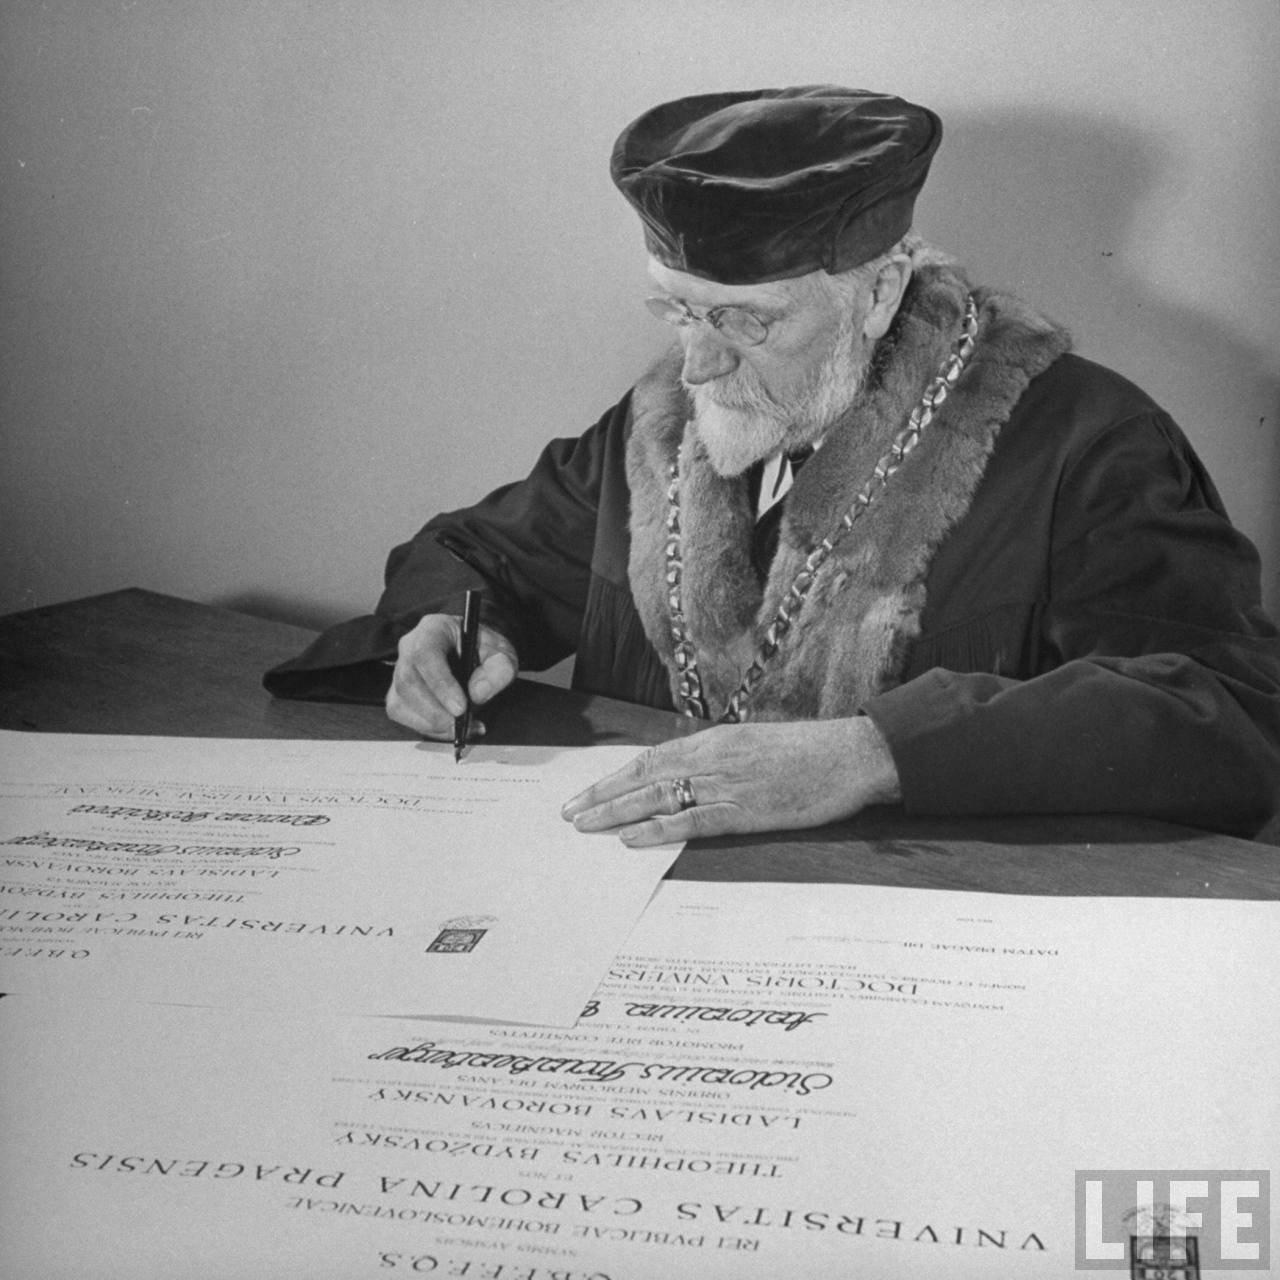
(735, 323)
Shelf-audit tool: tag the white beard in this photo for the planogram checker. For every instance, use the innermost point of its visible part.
(734, 438)
(740, 423)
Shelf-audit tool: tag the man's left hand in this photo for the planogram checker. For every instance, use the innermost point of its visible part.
(743, 777)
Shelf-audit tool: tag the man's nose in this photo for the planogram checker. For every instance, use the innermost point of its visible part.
(707, 355)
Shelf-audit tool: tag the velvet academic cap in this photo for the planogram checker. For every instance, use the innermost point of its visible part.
(745, 187)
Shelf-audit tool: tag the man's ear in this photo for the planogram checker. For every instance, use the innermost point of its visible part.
(887, 291)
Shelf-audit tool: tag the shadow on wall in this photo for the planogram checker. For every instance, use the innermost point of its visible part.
(1052, 206)
(1038, 198)
(1048, 205)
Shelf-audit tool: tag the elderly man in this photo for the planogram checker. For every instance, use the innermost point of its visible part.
(872, 522)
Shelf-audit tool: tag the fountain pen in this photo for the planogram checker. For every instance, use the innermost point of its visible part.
(467, 662)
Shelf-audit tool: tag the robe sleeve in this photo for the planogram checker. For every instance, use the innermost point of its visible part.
(527, 546)
(1160, 693)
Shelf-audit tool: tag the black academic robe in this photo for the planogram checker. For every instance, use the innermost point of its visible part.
(1091, 638)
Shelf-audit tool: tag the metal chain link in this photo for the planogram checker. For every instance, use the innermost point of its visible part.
(689, 682)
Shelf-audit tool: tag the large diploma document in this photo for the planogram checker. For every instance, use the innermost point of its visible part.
(349, 877)
(773, 1082)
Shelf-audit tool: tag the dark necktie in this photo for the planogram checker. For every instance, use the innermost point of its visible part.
(764, 539)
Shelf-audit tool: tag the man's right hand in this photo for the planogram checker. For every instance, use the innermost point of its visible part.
(424, 696)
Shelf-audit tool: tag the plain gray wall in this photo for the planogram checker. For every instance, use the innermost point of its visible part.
(283, 279)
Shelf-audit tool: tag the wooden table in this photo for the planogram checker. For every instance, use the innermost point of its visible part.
(137, 662)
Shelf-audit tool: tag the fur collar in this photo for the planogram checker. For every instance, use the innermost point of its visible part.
(849, 640)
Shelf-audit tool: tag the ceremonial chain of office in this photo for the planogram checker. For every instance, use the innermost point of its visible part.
(692, 701)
